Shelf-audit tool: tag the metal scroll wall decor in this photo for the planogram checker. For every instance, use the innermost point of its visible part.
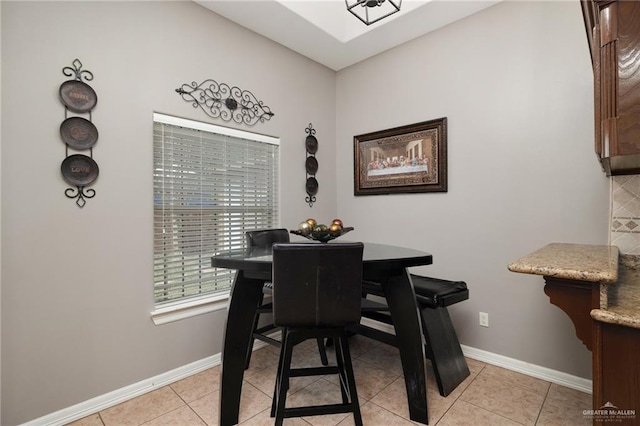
(311, 165)
(218, 100)
(78, 133)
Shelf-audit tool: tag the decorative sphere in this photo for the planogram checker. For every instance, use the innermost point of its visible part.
(338, 222)
(335, 230)
(304, 228)
(312, 222)
(320, 231)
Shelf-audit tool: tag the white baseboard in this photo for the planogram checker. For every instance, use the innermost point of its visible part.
(121, 395)
(544, 373)
(118, 396)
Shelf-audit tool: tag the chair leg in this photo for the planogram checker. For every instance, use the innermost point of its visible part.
(282, 380)
(449, 363)
(322, 351)
(351, 380)
(342, 376)
(256, 320)
(276, 390)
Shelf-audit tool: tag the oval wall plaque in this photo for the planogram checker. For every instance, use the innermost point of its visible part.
(78, 96)
(79, 169)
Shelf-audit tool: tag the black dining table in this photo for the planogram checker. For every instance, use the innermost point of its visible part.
(382, 263)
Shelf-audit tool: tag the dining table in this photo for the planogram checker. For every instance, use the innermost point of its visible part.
(381, 263)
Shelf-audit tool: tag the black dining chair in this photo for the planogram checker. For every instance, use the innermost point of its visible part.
(316, 295)
(266, 238)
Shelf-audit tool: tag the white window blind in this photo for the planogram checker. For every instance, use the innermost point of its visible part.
(211, 185)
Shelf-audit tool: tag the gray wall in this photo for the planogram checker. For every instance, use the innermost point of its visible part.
(77, 283)
(515, 83)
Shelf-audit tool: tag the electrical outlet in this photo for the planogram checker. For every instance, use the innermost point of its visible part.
(484, 319)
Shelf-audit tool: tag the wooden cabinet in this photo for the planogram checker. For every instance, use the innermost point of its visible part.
(613, 31)
(617, 371)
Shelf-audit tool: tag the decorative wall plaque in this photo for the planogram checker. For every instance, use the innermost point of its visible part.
(219, 100)
(311, 165)
(78, 133)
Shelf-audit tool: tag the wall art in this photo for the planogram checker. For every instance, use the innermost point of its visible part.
(406, 159)
(311, 165)
(78, 133)
(219, 100)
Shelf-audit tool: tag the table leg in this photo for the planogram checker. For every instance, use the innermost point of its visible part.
(245, 296)
(401, 299)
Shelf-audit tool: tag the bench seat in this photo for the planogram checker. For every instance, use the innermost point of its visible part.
(442, 346)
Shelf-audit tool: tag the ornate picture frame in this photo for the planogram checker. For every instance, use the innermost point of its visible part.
(406, 159)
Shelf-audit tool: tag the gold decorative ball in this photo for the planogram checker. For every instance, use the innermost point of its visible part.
(312, 222)
(338, 222)
(335, 230)
(304, 228)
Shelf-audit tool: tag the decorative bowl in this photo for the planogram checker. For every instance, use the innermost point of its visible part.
(323, 237)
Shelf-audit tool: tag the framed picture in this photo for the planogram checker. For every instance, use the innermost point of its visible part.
(404, 159)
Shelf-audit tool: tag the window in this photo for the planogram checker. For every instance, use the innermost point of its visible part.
(211, 184)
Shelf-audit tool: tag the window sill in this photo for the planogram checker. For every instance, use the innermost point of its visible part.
(188, 309)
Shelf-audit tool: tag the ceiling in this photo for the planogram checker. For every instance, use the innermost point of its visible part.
(323, 30)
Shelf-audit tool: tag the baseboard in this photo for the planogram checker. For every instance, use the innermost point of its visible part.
(99, 403)
(553, 376)
(544, 373)
(118, 396)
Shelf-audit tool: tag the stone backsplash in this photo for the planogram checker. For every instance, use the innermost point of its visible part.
(625, 214)
(626, 298)
(622, 300)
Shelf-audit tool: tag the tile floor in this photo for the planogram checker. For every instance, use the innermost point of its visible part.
(490, 396)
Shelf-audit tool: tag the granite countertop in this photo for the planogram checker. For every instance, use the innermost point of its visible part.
(618, 276)
(622, 301)
(583, 262)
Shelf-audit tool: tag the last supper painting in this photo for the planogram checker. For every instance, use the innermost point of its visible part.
(406, 159)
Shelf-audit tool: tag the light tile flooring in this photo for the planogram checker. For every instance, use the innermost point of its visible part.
(490, 396)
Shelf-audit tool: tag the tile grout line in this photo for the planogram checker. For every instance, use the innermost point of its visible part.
(189, 405)
(546, 395)
(494, 413)
(170, 411)
(458, 397)
(523, 387)
(482, 408)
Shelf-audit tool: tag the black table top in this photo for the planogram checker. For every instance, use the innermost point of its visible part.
(375, 256)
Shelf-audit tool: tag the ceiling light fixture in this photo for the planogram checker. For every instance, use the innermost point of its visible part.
(370, 11)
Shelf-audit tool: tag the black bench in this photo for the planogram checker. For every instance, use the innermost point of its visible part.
(441, 341)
